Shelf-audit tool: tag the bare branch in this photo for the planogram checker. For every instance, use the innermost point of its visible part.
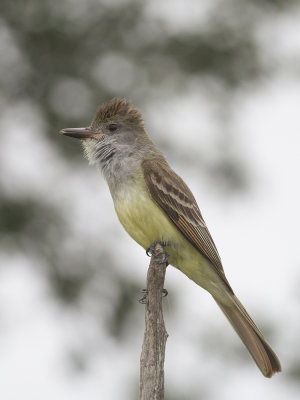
(155, 336)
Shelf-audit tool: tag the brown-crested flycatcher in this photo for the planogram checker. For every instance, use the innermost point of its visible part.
(154, 204)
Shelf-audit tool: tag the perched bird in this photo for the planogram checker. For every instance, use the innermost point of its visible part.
(154, 204)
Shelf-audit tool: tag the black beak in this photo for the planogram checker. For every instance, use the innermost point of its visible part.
(80, 133)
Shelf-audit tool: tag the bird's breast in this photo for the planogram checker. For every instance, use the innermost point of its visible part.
(142, 218)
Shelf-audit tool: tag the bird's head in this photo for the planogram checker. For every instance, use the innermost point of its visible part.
(115, 119)
(117, 132)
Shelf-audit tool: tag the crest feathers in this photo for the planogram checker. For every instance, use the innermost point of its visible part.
(118, 110)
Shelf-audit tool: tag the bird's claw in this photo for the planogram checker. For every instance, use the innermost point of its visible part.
(150, 251)
(143, 299)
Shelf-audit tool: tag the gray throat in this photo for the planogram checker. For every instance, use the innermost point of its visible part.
(118, 162)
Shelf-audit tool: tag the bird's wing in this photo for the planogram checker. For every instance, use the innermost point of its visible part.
(170, 192)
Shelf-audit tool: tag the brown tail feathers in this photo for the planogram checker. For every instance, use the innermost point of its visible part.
(262, 353)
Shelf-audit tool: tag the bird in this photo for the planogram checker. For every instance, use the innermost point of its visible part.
(154, 204)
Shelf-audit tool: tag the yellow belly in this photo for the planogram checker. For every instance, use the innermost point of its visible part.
(146, 223)
(142, 218)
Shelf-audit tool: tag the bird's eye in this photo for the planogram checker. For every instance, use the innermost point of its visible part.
(112, 127)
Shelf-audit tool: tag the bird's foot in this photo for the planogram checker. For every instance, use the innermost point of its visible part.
(151, 251)
(143, 299)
